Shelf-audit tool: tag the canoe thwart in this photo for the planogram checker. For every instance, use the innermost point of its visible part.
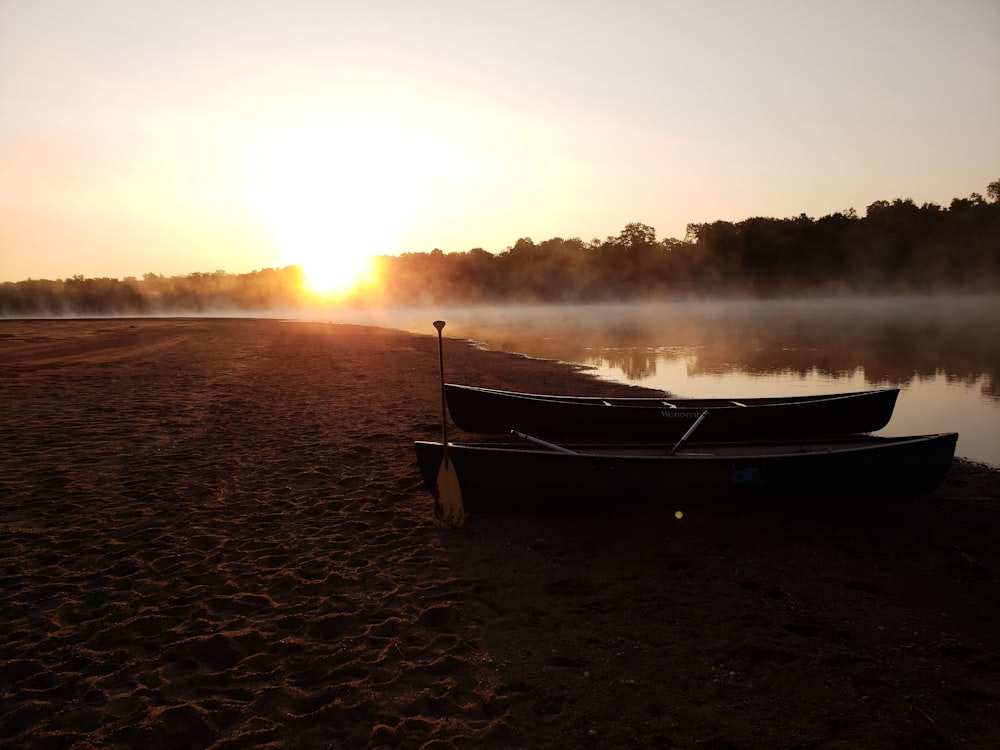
(545, 443)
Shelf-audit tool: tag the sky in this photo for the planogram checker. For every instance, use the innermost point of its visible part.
(202, 135)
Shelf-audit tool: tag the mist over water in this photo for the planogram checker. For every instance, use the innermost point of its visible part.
(943, 352)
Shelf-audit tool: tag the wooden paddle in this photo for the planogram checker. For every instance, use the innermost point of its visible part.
(449, 508)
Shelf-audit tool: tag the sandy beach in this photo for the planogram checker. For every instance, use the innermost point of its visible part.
(214, 535)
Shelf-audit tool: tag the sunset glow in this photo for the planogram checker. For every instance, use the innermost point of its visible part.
(172, 139)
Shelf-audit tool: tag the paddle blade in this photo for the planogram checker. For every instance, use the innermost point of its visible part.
(449, 509)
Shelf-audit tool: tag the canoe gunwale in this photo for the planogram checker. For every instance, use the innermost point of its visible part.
(723, 451)
(671, 402)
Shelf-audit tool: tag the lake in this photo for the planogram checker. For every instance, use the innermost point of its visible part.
(942, 352)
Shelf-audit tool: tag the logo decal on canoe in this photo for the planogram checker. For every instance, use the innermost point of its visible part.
(674, 414)
(742, 476)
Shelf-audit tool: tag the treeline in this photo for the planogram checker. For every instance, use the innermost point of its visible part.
(896, 247)
(218, 292)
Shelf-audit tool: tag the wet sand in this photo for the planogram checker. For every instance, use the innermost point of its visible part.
(214, 535)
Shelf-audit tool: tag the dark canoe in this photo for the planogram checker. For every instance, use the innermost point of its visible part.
(486, 410)
(506, 476)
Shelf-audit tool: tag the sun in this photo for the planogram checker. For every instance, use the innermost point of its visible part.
(335, 188)
(334, 245)
(336, 276)
(334, 248)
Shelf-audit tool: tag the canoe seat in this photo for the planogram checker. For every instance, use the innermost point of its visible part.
(669, 405)
(606, 403)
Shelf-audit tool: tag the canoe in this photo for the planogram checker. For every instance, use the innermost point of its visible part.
(486, 410)
(521, 476)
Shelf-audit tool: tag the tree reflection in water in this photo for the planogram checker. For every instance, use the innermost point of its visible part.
(892, 340)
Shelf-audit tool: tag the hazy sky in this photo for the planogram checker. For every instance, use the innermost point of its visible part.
(195, 135)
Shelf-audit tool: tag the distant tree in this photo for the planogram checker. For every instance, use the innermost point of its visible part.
(477, 275)
(959, 205)
(556, 270)
(718, 254)
(635, 237)
(634, 254)
(993, 191)
(874, 209)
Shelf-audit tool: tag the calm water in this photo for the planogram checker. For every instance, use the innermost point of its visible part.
(944, 353)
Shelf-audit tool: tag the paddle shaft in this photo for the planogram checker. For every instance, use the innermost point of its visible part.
(439, 325)
(449, 508)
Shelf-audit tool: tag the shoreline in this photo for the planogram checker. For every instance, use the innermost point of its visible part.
(216, 536)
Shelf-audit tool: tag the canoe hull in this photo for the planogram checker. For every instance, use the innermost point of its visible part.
(492, 411)
(496, 477)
